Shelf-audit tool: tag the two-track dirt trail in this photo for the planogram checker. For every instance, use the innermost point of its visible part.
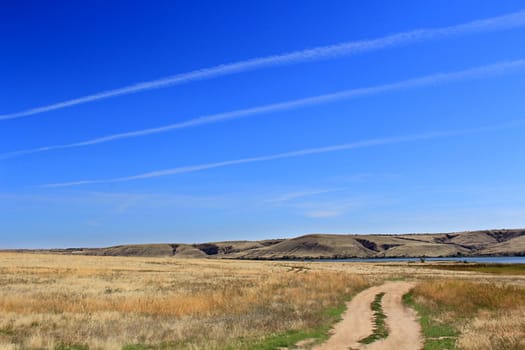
(404, 331)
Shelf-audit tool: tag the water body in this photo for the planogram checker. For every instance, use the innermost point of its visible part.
(470, 259)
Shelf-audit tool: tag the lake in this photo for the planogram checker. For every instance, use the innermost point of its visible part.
(471, 259)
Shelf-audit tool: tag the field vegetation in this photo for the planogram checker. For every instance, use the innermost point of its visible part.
(79, 302)
(498, 269)
(380, 330)
(50, 301)
(470, 315)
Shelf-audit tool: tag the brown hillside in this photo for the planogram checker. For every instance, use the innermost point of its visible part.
(332, 246)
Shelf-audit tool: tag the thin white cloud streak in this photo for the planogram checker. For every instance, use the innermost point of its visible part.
(323, 214)
(293, 154)
(509, 21)
(434, 79)
(298, 195)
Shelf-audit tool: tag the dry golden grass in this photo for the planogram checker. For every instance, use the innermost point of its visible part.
(108, 302)
(503, 330)
(488, 315)
(47, 301)
(466, 297)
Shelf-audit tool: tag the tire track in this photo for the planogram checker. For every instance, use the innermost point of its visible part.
(357, 323)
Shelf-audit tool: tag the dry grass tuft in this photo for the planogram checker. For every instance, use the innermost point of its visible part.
(503, 330)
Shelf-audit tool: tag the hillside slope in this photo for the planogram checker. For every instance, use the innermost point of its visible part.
(332, 246)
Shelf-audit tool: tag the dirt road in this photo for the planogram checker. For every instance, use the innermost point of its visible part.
(404, 331)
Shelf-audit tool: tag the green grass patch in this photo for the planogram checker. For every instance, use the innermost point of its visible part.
(335, 313)
(162, 346)
(438, 335)
(380, 330)
(288, 339)
(136, 347)
(71, 347)
(7, 331)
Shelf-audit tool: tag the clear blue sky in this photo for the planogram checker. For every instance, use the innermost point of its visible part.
(409, 179)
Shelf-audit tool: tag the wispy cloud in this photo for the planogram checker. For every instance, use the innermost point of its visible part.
(293, 154)
(119, 202)
(323, 214)
(332, 207)
(509, 21)
(434, 79)
(291, 196)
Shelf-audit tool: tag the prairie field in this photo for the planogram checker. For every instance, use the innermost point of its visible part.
(54, 301)
(83, 302)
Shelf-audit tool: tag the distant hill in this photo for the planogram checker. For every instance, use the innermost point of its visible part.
(332, 246)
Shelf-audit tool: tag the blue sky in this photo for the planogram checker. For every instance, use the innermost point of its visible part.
(423, 102)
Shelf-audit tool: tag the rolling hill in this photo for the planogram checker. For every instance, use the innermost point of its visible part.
(333, 246)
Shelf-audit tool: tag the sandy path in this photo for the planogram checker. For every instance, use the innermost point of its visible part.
(404, 329)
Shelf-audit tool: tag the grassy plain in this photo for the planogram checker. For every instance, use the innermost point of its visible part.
(60, 301)
(134, 303)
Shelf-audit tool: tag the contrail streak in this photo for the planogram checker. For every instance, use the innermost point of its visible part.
(293, 154)
(509, 21)
(477, 72)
